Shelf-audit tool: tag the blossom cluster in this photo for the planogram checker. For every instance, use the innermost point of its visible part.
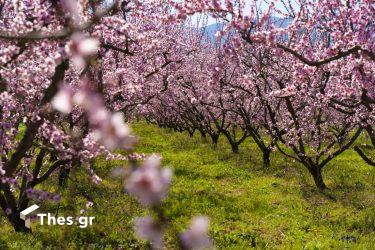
(149, 184)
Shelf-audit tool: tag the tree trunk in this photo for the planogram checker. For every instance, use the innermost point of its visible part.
(235, 148)
(203, 134)
(191, 134)
(18, 224)
(266, 157)
(318, 178)
(371, 134)
(215, 139)
(63, 176)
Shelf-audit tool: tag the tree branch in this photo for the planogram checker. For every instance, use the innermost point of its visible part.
(321, 62)
(364, 157)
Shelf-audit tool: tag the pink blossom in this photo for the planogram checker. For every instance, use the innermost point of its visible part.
(113, 133)
(71, 7)
(148, 229)
(63, 100)
(80, 48)
(196, 237)
(42, 195)
(149, 183)
(88, 100)
(2, 171)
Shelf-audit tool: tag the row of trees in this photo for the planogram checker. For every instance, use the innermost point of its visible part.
(72, 72)
(306, 90)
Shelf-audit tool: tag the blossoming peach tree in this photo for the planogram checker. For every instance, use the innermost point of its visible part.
(70, 73)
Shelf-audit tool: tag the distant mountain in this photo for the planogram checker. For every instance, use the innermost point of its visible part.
(281, 22)
(211, 30)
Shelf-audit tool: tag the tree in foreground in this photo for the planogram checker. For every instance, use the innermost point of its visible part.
(65, 76)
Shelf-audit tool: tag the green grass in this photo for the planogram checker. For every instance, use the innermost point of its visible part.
(249, 206)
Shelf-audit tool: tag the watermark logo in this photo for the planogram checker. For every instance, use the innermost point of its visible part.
(50, 220)
(26, 214)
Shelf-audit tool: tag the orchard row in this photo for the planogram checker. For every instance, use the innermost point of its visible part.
(295, 76)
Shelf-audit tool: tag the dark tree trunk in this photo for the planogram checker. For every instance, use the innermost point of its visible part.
(316, 172)
(18, 224)
(203, 134)
(367, 159)
(191, 134)
(215, 139)
(266, 157)
(235, 148)
(371, 133)
(63, 176)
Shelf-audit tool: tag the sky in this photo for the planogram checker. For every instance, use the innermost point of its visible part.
(197, 18)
